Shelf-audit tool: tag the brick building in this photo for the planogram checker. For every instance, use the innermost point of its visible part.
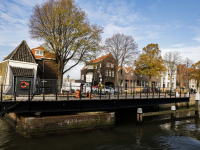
(101, 69)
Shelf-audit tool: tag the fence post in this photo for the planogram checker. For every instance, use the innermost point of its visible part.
(1, 92)
(170, 92)
(140, 92)
(29, 92)
(56, 92)
(147, 92)
(159, 92)
(110, 93)
(133, 92)
(80, 93)
(126, 93)
(118, 92)
(15, 94)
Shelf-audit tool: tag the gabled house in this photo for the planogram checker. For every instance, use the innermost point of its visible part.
(101, 70)
(17, 68)
(127, 78)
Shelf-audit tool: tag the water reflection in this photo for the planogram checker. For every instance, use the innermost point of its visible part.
(182, 134)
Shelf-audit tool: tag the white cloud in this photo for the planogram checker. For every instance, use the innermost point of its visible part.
(190, 52)
(178, 45)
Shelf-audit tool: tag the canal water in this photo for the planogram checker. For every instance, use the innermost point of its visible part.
(180, 134)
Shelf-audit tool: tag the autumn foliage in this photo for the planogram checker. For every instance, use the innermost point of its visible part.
(150, 62)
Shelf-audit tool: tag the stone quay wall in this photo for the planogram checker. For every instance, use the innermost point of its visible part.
(52, 125)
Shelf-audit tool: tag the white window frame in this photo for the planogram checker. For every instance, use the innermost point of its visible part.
(112, 65)
(140, 75)
(100, 65)
(108, 64)
(40, 53)
(113, 73)
(106, 73)
(131, 74)
(82, 77)
(110, 73)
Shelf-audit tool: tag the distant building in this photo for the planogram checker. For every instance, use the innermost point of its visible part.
(101, 69)
(165, 79)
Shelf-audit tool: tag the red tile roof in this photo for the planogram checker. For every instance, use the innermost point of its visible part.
(128, 69)
(100, 58)
(46, 54)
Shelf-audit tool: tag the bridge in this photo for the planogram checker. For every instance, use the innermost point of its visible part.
(67, 102)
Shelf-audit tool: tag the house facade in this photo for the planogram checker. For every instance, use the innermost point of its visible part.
(18, 68)
(165, 79)
(101, 70)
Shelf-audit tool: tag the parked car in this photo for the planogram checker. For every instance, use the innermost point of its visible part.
(157, 90)
(145, 90)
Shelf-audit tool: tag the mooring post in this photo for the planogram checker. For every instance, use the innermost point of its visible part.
(188, 103)
(1, 92)
(139, 115)
(173, 108)
(197, 104)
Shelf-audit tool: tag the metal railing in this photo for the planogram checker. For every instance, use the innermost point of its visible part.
(52, 93)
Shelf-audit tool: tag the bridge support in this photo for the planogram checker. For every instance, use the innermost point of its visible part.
(197, 104)
(139, 115)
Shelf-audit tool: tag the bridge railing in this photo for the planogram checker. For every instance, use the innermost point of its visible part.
(52, 93)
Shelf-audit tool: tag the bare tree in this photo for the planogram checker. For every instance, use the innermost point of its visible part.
(123, 48)
(172, 59)
(188, 62)
(66, 32)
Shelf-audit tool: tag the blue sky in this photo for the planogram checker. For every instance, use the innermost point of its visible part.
(173, 24)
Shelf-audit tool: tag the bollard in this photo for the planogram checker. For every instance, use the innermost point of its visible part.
(177, 95)
(173, 115)
(139, 115)
(197, 104)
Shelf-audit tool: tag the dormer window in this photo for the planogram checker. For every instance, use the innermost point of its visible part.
(39, 53)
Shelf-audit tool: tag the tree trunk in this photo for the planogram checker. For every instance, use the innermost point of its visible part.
(149, 81)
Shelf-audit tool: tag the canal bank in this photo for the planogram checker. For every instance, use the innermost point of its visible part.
(30, 126)
(54, 124)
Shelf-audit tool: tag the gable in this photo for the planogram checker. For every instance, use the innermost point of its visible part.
(21, 53)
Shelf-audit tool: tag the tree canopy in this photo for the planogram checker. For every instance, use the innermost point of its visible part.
(194, 72)
(66, 32)
(150, 62)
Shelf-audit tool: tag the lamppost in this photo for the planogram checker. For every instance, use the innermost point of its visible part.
(69, 82)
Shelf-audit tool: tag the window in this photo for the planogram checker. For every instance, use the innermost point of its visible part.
(0, 79)
(109, 73)
(82, 77)
(106, 74)
(112, 65)
(113, 73)
(90, 67)
(141, 75)
(121, 72)
(131, 74)
(100, 65)
(108, 64)
(39, 53)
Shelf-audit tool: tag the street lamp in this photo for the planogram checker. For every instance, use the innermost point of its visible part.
(69, 82)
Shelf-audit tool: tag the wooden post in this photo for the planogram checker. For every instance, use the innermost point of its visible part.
(139, 115)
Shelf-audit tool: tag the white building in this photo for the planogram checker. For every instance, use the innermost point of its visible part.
(193, 84)
(165, 79)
